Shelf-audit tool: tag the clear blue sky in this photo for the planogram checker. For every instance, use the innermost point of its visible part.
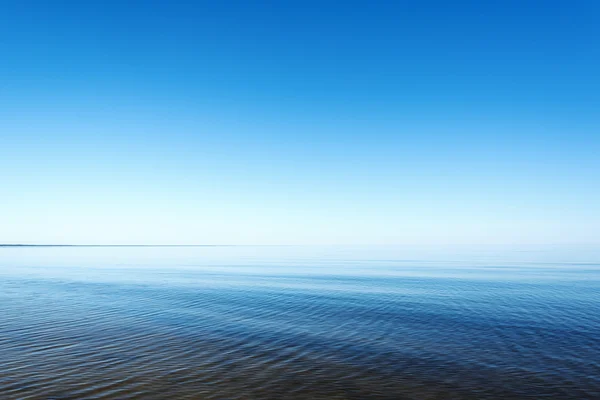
(254, 122)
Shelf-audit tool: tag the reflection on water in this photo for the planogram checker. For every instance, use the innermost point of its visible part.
(299, 323)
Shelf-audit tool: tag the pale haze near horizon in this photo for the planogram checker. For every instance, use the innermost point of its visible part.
(308, 124)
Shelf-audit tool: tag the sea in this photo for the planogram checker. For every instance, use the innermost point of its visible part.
(300, 322)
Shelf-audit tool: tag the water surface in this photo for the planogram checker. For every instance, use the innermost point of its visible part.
(299, 323)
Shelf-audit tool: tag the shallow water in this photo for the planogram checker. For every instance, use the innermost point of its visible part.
(299, 323)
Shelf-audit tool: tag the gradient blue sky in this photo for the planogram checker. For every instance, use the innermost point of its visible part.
(253, 122)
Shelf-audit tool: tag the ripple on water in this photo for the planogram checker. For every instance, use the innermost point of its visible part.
(198, 333)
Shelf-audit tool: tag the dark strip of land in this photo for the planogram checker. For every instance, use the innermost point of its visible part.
(119, 245)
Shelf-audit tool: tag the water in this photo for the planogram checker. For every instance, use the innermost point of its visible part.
(299, 323)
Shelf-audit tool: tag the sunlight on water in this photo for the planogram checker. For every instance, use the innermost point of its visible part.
(299, 323)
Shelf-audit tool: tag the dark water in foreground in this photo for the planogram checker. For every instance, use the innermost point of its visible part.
(299, 323)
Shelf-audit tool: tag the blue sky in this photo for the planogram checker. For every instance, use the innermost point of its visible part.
(300, 122)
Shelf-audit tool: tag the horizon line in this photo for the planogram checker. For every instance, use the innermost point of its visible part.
(134, 245)
(290, 245)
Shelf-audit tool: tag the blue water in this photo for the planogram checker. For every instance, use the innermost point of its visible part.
(492, 322)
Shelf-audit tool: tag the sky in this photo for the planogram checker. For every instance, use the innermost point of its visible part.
(300, 122)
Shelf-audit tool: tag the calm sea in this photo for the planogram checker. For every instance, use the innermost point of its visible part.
(299, 323)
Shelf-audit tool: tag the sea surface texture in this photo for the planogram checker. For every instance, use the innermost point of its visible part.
(299, 323)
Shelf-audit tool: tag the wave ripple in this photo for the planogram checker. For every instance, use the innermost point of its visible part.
(107, 323)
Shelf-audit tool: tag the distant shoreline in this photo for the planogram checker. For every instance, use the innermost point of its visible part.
(124, 245)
